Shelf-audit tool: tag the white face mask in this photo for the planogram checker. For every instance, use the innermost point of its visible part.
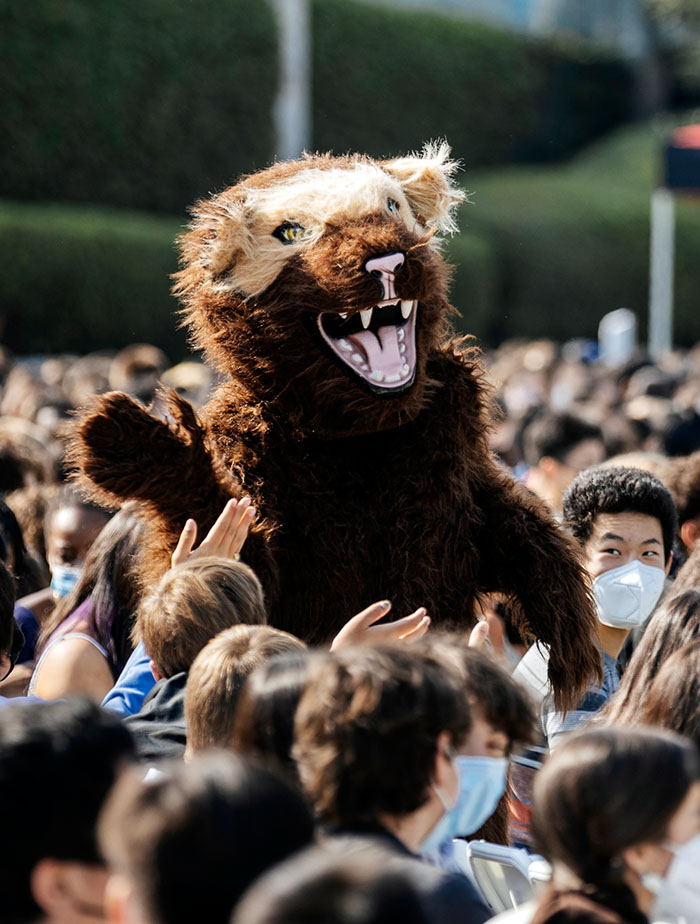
(626, 596)
(678, 892)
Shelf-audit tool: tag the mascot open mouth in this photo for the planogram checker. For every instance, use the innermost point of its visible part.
(378, 344)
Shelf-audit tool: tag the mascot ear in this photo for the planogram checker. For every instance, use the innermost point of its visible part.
(427, 180)
(219, 234)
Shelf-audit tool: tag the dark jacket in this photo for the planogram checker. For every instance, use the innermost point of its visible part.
(448, 898)
(159, 727)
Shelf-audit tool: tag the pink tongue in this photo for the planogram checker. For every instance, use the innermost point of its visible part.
(385, 356)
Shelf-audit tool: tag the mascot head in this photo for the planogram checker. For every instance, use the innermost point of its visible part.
(319, 285)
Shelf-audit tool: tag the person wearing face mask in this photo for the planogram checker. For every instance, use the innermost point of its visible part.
(502, 717)
(71, 526)
(86, 641)
(617, 814)
(378, 731)
(624, 522)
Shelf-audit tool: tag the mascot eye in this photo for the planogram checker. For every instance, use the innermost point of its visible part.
(289, 232)
(393, 206)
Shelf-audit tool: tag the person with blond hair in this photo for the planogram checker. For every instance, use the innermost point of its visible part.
(190, 605)
(218, 676)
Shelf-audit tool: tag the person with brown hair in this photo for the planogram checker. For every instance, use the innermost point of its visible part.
(688, 576)
(673, 700)
(377, 734)
(676, 623)
(682, 477)
(617, 814)
(218, 676)
(191, 604)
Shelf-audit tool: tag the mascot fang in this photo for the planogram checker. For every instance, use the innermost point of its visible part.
(349, 414)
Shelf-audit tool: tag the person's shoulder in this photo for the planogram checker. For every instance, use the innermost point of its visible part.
(451, 897)
(72, 665)
(532, 672)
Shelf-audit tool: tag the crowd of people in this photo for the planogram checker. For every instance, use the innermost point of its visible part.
(167, 756)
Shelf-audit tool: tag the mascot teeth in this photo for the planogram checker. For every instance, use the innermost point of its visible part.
(377, 344)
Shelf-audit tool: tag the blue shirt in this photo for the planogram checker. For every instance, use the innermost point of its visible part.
(132, 686)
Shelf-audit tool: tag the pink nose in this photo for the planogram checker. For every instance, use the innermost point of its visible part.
(384, 270)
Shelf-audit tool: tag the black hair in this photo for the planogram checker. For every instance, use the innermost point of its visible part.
(11, 636)
(26, 572)
(614, 489)
(7, 606)
(356, 884)
(555, 435)
(58, 761)
(207, 829)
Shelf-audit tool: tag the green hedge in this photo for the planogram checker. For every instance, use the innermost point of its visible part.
(572, 243)
(542, 252)
(386, 80)
(150, 104)
(81, 279)
(140, 103)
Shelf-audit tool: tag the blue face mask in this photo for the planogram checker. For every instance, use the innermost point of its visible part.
(64, 579)
(482, 782)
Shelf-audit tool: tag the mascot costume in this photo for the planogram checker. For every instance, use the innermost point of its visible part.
(348, 413)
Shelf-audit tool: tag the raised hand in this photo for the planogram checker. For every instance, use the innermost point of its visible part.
(479, 635)
(360, 630)
(226, 537)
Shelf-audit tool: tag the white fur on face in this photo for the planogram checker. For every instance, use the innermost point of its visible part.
(314, 199)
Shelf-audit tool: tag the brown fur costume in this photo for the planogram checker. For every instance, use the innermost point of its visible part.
(368, 462)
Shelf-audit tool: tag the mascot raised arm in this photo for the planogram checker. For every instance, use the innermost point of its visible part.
(349, 414)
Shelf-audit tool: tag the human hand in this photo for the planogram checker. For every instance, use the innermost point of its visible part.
(360, 630)
(479, 635)
(226, 537)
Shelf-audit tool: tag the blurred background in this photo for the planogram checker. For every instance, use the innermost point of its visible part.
(118, 114)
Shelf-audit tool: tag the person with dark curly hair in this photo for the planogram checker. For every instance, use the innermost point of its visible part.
(624, 522)
(380, 734)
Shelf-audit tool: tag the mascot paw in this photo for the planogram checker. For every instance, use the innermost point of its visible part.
(121, 450)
